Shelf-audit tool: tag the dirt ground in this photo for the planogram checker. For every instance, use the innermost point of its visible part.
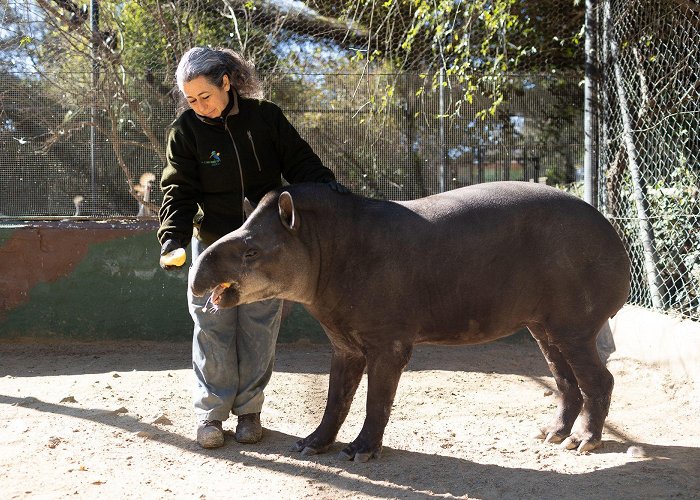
(115, 421)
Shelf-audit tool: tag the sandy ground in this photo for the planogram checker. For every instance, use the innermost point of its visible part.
(115, 421)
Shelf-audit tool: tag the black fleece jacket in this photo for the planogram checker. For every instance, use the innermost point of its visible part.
(212, 165)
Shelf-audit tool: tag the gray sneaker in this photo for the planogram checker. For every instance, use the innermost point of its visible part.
(249, 429)
(210, 434)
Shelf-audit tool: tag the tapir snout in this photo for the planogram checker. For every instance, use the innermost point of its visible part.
(214, 272)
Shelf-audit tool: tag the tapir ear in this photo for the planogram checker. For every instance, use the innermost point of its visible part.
(288, 215)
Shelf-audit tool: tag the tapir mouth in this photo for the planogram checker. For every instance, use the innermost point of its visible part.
(218, 291)
(224, 295)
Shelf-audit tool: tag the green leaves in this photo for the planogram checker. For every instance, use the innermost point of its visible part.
(480, 39)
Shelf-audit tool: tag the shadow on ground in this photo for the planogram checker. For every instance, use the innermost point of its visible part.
(410, 474)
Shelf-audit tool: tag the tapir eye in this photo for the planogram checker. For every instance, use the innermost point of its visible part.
(251, 253)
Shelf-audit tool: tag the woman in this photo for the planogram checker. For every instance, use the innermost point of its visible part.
(229, 146)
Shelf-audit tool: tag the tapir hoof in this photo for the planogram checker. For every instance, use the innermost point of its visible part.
(581, 445)
(549, 436)
(553, 437)
(307, 449)
(350, 452)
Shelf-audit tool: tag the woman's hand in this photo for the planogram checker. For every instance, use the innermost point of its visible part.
(172, 255)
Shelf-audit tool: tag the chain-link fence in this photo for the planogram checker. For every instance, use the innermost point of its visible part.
(649, 53)
(384, 94)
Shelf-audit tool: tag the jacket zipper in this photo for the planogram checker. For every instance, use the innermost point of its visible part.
(255, 153)
(240, 171)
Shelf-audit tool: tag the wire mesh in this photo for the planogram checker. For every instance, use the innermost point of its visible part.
(650, 56)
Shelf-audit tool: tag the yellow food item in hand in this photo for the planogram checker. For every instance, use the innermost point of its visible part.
(175, 258)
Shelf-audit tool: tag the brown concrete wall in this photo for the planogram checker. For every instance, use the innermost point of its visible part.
(98, 281)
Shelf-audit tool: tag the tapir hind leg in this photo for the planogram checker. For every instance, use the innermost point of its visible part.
(570, 399)
(384, 368)
(596, 384)
(347, 368)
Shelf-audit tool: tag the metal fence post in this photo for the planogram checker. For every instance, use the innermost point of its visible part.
(94, 38)
(441, 122)
(590, 116)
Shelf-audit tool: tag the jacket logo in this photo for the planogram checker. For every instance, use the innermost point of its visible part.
(214, 159)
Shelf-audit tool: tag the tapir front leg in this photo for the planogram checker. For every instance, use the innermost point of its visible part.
(384, 368)
(347, 368)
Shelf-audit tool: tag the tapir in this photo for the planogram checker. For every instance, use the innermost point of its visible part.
(466, 266)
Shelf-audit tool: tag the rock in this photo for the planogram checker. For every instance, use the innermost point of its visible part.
(163, 420)
(636, 452)
(68, 399)
(53, 442)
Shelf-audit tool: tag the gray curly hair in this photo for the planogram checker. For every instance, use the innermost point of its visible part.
(213, 64)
